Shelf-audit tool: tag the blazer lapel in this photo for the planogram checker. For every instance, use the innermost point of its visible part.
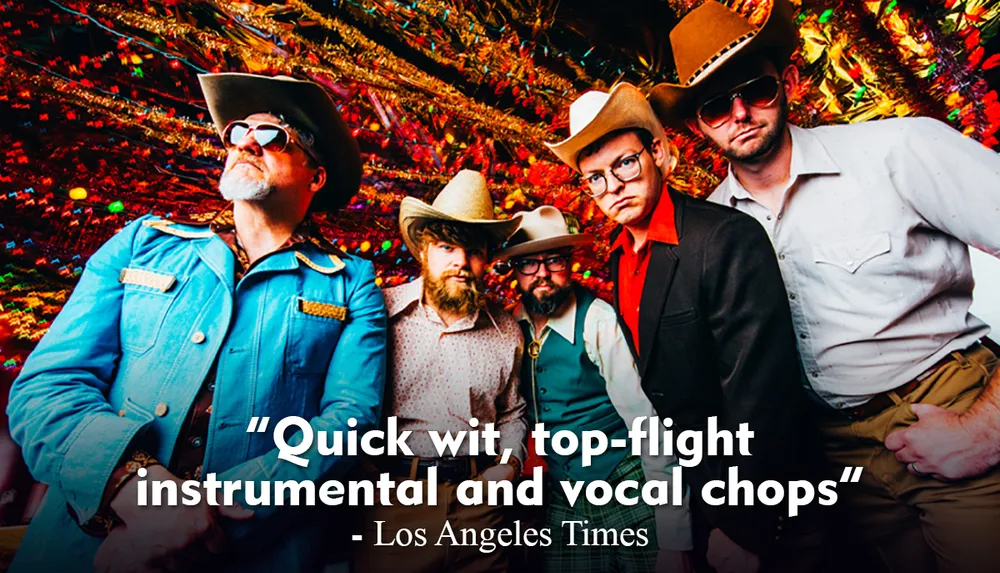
(659, 276)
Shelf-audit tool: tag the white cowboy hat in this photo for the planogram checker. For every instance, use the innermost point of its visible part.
(543, 229)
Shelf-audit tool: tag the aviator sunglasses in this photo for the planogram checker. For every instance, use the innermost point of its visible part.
(270, 136)
(759, 92)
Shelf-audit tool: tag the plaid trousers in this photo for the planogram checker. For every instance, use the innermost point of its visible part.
(562, 558)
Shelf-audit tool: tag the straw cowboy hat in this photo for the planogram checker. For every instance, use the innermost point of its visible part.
(543, 229)
(465, 199)
(304, 104)
(708, 37)
(596, 114)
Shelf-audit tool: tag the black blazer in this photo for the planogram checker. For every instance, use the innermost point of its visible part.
(716, 339)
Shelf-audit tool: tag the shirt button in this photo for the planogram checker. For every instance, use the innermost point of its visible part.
(803, 336)
(815, 374)
(850, 263)
(791, 295)
(211, 386)
(779, 216)
(768, 217)
(196, 442)
(198, 337)
(781, 256)
(161, 409)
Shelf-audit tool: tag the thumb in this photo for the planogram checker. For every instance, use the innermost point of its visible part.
(927, 410)
(235, 511)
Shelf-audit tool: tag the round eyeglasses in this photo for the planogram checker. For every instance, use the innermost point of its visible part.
(625, 169)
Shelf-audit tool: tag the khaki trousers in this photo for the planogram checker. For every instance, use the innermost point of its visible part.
(369, 558)
(918, 523)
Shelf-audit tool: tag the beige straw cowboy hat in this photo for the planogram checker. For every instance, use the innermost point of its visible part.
(543, 229)
(465, 199)
(596, 114)
(708, 37)
(304, 104)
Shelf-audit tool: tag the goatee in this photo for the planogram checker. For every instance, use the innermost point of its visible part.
(548, 304)
(460, 298)
(236, 186)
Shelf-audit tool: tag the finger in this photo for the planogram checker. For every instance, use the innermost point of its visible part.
(927, 410)
(215, 540)
(235, 511)
(907, 455)
(896, 440)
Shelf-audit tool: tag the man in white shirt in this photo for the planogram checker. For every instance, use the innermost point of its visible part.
(578, 374)
(872, 225)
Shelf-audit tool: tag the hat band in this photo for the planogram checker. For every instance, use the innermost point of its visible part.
(694, 77)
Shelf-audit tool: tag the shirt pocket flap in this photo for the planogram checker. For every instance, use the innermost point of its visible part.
(851, 254)
(147, 279)
(322, 309)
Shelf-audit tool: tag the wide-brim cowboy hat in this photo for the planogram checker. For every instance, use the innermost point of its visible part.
(303, 104)
(707, 38)
(465, 199)
(596, 114)
(544, 229)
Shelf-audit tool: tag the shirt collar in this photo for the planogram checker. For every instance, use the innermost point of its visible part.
(222, 223)
(563, 323)
(809, 157)
(662, 226)
(401, 298)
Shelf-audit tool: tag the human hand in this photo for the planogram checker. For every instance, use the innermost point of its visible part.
(944, 445)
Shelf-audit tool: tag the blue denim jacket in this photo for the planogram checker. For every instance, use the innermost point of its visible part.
(124, 360)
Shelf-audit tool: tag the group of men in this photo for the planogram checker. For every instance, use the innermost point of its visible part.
(820, 296)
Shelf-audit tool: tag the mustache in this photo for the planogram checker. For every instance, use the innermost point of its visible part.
(250, 159)
(459, 273)
(542, 281)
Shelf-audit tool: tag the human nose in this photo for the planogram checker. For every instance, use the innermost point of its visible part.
(249, 143)
(543, 271)
(739, 110)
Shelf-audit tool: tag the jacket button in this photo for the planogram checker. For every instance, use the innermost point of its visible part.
(161, 409)
(121, 413)
(198, 337)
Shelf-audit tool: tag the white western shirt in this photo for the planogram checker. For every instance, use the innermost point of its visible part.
(872, 239)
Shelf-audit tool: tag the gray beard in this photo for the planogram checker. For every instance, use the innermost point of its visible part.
(236, 187)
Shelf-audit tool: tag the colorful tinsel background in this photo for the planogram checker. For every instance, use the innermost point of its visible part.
(103, 120)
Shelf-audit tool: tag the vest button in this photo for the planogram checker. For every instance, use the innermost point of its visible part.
(543, 390)
(546, 409)
(540, 369)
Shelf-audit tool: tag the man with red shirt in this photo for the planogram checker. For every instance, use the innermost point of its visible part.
(702, 300)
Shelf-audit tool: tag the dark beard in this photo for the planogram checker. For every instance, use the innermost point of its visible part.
(770, 142)
(463, 299)
(548, 304)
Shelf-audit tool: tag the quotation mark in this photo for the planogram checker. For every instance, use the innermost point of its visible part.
(253, 425)
(852, 475)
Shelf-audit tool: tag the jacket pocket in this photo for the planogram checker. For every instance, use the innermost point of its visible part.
(147, 298)
(677, 318)
(314, 328)
(851, 254)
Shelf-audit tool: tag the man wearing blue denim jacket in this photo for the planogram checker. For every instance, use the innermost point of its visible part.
(182, 331)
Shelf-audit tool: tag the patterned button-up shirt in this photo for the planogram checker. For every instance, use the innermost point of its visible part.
(443, 376)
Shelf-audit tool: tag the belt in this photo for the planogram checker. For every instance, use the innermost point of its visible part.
(882, 401)
(449, 470)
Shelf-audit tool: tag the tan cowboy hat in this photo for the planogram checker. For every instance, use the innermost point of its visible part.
(465, 199)
(708, 37)
(596, 114)
(304, 104)
(543, 229)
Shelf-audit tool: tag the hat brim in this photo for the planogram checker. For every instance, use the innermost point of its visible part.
(546, 244)
(625, 108)
(233, 96)
(414, 213)
(674, 103)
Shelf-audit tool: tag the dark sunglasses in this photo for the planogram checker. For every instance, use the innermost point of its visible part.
(269, 136)
(759, 92)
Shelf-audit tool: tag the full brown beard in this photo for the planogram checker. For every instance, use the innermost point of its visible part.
(459, 298)
(548, 304)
